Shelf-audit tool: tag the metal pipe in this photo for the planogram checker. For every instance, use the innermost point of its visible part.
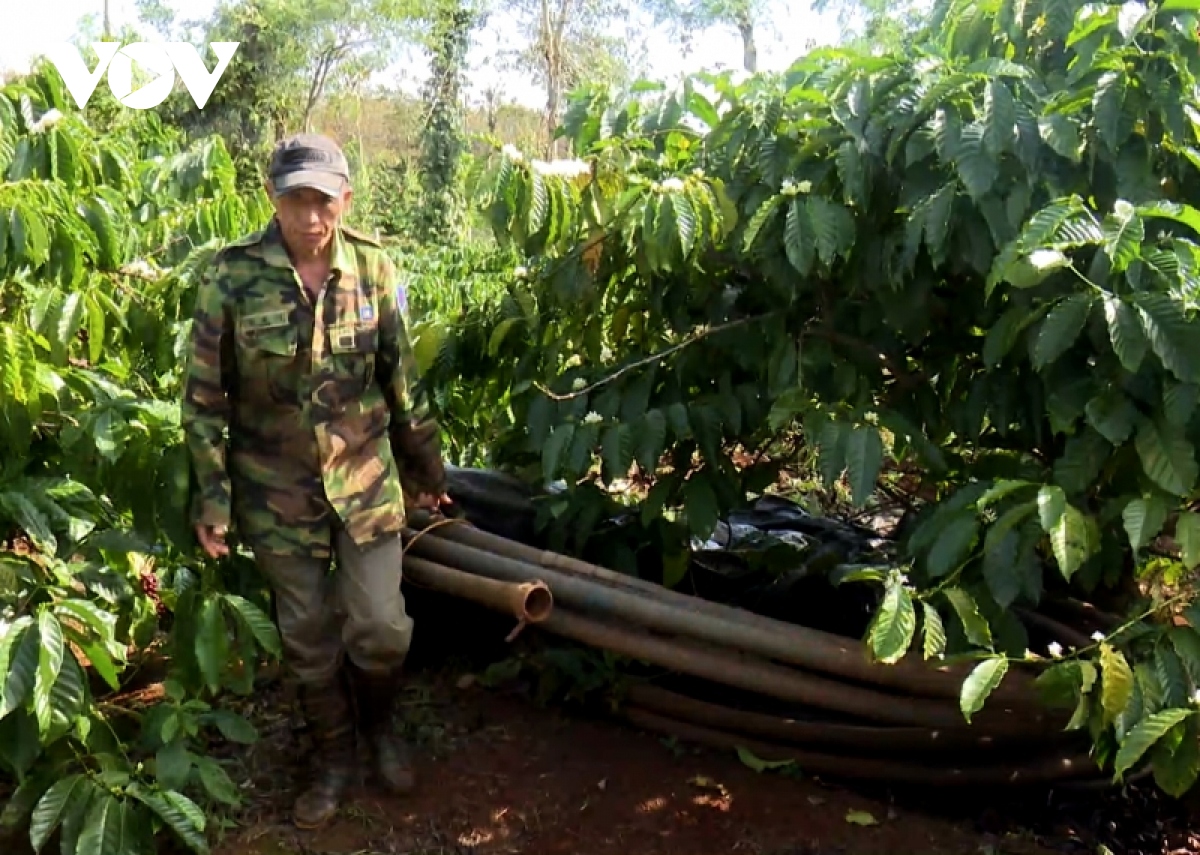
(530, 602)
(858, 737)
(755, 675)
(770, 639)
(1052, 769)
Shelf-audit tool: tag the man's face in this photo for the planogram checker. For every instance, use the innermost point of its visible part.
(309, 217)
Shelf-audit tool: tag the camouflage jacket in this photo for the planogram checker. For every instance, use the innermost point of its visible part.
(299, 416)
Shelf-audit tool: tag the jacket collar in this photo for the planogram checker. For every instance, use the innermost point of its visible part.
(273, 251)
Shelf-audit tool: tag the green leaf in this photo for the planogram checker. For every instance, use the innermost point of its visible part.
(1187, 534)
(974, 624)
(999, 570)
(703, 509)
(1144, 519)
(178, 812)
(1051, 504)
(1002, 488)
(1003, 334)
(212, 645)
(864, 457)
(77, 811)
(1082, 461)
(1185, 214)
(980, 683)
(22, 665)
(1172, 335)
(1072, 540)
(617, 448)
(1112, 415)
(753, 761)
(498, 334)
(976, 167)
(104, 828)
(255, 620)
(833, 226)
(173, 765)
(1000, 117)
(1061, 328)
(953, 545)
(1031, 270)
(552, 451)
(1171, 674)
(1168, 459)
(1116, 685)
(1107, 104)
(50, 663)
(895, 623)
(1124, 232)
(1175, 771)
(1061, 133)
(1126, 333)
(860, 817)
(53, 807)
(1147, 732)
(234, 727)
(216, 781)
(933, 632)
(797, 241)
(1179, 402)
(653, 439)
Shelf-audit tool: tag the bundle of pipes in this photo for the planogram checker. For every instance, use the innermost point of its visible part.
(906, 711)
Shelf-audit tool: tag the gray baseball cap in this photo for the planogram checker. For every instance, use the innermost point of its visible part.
(308, 160)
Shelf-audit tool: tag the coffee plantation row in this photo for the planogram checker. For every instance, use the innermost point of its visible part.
(974, 258)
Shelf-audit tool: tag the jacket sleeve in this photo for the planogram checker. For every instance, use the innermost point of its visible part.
(205, 407)
(415, 434)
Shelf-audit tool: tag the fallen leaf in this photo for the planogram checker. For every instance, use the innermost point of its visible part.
(757, 763)
(861, 817)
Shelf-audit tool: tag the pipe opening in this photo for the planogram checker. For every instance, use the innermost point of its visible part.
(539, 602)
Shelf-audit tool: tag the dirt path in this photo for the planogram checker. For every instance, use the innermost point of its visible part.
(499, 775)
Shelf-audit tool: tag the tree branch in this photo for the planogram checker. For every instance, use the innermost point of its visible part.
(654, 357)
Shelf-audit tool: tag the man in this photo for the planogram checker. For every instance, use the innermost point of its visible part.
(300, 353)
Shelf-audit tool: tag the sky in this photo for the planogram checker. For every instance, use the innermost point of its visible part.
(31, 26)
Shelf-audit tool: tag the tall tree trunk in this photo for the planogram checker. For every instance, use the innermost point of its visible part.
(442, 137)
(552, 26)
(749, 48)
(107, 21)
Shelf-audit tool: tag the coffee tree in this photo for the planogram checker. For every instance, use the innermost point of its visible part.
(976, 255)
(101, 235)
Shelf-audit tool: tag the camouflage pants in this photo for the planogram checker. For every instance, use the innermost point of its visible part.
(357, 611)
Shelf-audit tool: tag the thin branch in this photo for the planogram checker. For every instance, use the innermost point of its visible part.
(654, 357)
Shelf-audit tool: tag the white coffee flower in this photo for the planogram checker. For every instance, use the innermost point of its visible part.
(48, 120)
(592, 418)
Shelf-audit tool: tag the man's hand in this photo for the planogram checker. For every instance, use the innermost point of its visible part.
(430, 502)
(212, 540)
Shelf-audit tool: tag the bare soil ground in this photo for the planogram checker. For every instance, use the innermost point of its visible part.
(498, 774)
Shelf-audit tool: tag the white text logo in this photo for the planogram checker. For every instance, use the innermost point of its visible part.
(162, 58)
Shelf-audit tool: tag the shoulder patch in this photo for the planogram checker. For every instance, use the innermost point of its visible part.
(355, 234)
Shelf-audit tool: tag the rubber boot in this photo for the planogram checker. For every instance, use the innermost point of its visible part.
(376, 695)
(329, 713)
